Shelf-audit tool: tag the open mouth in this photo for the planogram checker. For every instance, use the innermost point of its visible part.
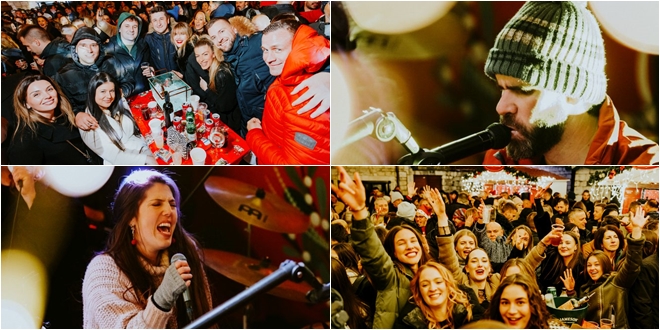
(411, 254)
(165, 228)
(480, 271)
(513, 321)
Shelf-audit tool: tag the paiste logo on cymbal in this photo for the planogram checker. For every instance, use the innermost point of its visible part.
(253, 212)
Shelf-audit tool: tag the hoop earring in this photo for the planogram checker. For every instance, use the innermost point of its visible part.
(133, 241)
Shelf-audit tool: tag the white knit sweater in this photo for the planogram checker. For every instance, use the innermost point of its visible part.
(108, 304)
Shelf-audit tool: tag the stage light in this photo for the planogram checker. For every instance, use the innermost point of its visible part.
(76, 181)
(341, 107)
(24, 285)
(632, 23)
(397, 16)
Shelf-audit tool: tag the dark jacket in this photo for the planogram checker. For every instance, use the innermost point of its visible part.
(612, 289)
(162, 51)
(221, 101)
(643, 306)
(182, 62)
(393, 286)
(74, 77)
(251, 74)
(128, 63)
(56, 55)
(48, 146)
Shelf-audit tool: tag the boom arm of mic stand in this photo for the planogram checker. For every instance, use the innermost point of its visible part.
(423, 157)
(289, 270)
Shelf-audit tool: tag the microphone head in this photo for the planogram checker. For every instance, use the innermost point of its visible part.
(501, 135)
(176, 257)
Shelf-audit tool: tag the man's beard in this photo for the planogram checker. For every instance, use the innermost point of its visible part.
(536, 141)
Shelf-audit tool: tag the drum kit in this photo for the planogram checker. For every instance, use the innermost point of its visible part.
(270, 212)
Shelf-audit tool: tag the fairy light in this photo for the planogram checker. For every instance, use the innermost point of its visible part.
(616, 186)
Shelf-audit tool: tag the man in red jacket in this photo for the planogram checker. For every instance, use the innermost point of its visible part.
(293, 53)
(549, 62)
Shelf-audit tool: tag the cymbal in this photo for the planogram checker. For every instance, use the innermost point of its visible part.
(248, 271)
(254, 206)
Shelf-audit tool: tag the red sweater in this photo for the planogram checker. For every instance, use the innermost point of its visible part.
(287, 137)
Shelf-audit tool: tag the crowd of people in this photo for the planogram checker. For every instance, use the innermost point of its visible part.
(431, 259)
(73, 66)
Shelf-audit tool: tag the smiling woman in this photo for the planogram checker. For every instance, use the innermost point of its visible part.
(518, 303)
(132, 284)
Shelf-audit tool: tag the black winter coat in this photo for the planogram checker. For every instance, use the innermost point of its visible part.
(223, 101)
(74, 78)
(162, 52)
(56, 55)
(48, 146)
(251, 74)
(643, 296)
(126, 65)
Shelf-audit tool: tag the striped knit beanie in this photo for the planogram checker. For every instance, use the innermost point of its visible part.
(553, 45)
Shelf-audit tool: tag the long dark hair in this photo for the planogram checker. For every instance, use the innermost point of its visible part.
(346, 254)
(357, 310)
(116, 109)
(129, 196)
(389, 247)
(540, 315)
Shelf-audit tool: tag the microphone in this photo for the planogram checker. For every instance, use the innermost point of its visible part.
(386, 126)
(186, 294)
(496, 136)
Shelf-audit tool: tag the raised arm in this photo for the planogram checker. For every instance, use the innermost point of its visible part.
(375, 261)
(633, 260)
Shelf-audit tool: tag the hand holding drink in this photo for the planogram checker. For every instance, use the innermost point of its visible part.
(557, 231)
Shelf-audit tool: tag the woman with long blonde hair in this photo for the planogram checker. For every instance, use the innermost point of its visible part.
(183, 40)
(442, 302)
(45, 132)
(211, 78)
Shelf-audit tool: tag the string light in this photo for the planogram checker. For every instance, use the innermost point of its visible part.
(617, 185)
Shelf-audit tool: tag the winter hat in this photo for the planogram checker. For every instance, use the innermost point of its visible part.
(555, 46)
(421, 212)
(406, 210)
(396, 196)
(459, 214)
(85, 33)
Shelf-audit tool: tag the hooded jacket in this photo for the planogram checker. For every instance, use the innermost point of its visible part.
(614, 144)
(75, 77)
(612, 289)
(128, 62)
(287, 137)
(55, 55)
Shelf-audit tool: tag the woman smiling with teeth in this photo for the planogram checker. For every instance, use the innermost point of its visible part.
(132, 284)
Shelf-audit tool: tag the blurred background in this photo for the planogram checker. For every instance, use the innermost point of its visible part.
(424, 62)
(42, 283)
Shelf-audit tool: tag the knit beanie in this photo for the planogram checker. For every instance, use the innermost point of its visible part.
(406, 210)
(553, 45)
(396, 196)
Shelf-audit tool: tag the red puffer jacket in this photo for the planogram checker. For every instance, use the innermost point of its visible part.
(287, 137)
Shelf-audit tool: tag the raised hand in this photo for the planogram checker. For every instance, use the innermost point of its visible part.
(540, 192)
(411, 189)
(569, 281)
(351, 191)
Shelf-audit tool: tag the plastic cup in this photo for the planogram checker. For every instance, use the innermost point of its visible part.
(159, 140)
(177, 158)
(156, 126)
(606, 324)
(153, 108)
(198, 156)
(194, 101)
(556, 240)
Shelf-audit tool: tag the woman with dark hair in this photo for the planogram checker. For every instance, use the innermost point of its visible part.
(610, 239)
(517, 266)
(357, 310)
(442, 302)
(198, 24)
(132, 283)
(518, 303)
(117, 139)
(554, 261)
(351, 261)
(45, 131)
(610, 288)
(390, 265)
(211, 78)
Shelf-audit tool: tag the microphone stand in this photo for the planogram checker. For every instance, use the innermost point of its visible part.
(423, 157)
(289, 270)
